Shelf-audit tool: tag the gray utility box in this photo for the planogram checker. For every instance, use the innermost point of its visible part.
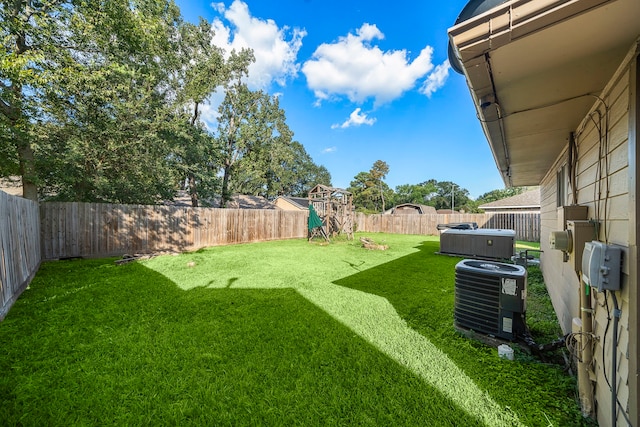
(490, 298)
(480, 243)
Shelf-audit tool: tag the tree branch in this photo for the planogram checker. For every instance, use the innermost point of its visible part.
(6, 110)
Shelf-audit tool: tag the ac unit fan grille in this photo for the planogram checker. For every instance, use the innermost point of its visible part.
(477, 302)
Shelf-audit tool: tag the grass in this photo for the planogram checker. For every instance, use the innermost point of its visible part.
(276, 333)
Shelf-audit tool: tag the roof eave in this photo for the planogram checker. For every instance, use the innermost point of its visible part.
(476, 39)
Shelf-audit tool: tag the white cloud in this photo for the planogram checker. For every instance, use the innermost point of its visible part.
(355, 68)
(275, 48)
(329, 150)
(436, 79)
(355, 119)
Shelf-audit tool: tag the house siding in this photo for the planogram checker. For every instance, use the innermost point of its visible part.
(608, 201)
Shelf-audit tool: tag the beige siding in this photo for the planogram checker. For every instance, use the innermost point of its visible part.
(601, 152)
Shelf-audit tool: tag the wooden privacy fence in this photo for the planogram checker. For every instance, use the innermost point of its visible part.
(526, 225)
(19, 247)
(97, 230)
(30, 233)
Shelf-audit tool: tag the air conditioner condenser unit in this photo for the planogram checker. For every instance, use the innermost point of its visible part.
(479, 243)
(490, 298)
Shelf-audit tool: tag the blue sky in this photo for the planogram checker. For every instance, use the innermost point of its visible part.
(362, 81)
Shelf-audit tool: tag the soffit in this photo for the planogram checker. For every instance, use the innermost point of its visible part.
(534, 69)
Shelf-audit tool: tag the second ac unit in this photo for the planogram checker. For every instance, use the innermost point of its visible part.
(481, 243)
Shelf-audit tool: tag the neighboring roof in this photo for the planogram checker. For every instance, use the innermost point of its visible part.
(243, 201)
(527, 200)
(238, 201)
(536, 68)
(300, 202)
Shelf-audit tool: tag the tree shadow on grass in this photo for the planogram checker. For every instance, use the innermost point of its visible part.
(370, 316)
(420, 287)
(91, 341)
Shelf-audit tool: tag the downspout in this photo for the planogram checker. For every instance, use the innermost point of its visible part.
(496, 103)
(585, 387)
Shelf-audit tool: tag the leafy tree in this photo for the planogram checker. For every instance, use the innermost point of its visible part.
(194, 159)
(275, 165)
(200, 70)
(108, 151)
(415, 193)
(263, 171)
(101, 100)
(29, 60)
(442, 199)
(358, 187)
(369, 190)
(302, 174)
(254, 138)
(82, 89)
(378, 173)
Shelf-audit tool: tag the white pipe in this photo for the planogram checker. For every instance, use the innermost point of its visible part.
(585, 388)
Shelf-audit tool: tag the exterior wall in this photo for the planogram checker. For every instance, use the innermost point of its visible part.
(602, 183)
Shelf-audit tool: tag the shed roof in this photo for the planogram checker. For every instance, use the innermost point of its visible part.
(422, 209)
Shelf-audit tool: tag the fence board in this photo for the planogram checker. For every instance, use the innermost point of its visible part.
(96, 230)
(19, 247)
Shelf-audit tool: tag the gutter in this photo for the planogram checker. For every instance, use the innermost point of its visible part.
(511, 21)
(473, 41)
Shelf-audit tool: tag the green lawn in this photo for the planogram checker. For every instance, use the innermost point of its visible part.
(276, 333)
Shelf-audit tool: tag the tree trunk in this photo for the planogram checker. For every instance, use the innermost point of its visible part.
(15, 116)
(225, 186)
(193, 191)
(27, 166)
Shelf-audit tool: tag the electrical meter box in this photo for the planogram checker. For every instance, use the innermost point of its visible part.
(573, 212)
(580, 232)
(561, 240)
(601, 266)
